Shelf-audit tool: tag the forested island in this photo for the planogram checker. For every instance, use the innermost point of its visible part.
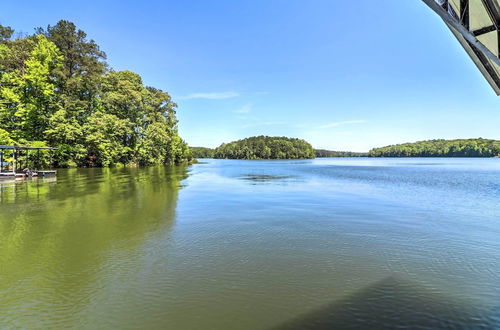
(57, 89)
(203, 152)
(265, 147)
(441, 148)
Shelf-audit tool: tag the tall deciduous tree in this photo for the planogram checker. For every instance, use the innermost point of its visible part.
(55, 88)
(84, 65)
(28, 94)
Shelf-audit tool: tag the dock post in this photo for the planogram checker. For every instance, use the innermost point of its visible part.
(14, 163)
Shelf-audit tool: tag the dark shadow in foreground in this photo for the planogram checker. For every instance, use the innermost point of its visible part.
(392, 303)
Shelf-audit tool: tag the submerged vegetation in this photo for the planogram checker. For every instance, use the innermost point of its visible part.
(57, 89)
(265, 147)
(441, 148)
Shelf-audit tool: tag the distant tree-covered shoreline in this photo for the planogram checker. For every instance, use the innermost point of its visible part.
(265, 147)
(202, 152)
(322, 153)
(441, 148)
(254, 148)
(57, 89)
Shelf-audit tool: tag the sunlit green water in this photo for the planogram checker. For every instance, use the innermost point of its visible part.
(255, 245)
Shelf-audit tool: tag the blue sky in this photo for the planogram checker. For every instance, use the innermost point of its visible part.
(343, 75)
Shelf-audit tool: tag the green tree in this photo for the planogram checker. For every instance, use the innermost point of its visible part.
(84, 65)
(153, 147)
(202, 152)
(28, 94)
(66, 132)
(441, 148)
(55, 89)
(104, 135)
(266, 147)
(6, 33)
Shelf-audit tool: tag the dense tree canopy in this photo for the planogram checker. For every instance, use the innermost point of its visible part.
(441, 148)
(329, 153)
(56, 89)
(265, 147)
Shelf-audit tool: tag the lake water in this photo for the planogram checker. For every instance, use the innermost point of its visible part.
(227, 244)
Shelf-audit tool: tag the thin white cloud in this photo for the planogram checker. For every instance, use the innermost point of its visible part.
(211, 96)
(244, 109)
(340, 123)
(267, 123)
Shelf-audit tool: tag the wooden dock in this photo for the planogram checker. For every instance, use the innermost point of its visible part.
(15, 172)
(11, 175)
(23, 175)
(46, 173)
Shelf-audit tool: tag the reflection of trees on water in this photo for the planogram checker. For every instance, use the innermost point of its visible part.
(60, 239)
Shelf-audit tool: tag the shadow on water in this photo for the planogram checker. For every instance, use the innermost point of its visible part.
(265, 177)
(393, 303)
(62, 241)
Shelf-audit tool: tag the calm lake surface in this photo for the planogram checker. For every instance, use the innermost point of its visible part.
(229, 244)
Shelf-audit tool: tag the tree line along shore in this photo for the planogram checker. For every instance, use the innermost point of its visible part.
(57, 89)
(441, 148)
(269, 147)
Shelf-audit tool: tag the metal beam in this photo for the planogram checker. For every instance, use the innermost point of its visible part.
(468, 35)
(14, 163)
(464, 13)
(493, 12)
(484, 30)
(488, 67)
(481, 61)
